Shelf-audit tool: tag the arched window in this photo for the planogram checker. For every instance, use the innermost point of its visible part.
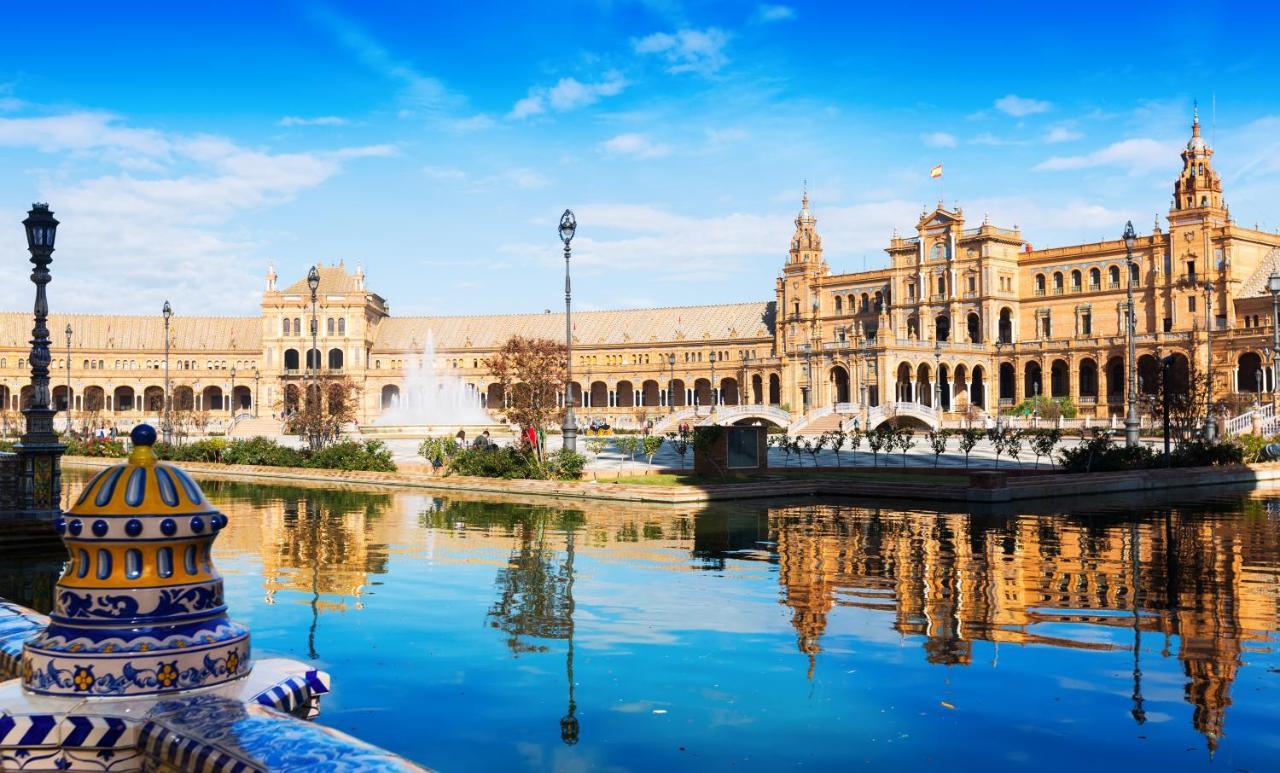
(297, 326)
(1075, 281)
(285, 328)
(1095, 278)
(342, 326)
(1113, 276)
(329, 326)
(1057, 282)
(942, 285)
(839, 304)
(1039, 284)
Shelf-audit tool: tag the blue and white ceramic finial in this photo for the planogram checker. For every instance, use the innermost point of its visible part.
(139, 609)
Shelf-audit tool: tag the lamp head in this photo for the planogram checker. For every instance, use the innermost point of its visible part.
(568, 225)
(68, 333)
(313, 279)
(1130, 236)
(42, 228)
(167, 311)
(1273, 282)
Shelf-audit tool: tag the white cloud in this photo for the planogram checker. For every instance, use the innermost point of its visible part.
(158, 207)
(725, 136)
(444, 173)
(634, 145)
(1017, 106)
(476, 123)
(687, 50)
(1062, 134)
(568, 94)
(516, 177)
(323, 120)
(1135, 156)
(938, 140)
(771, 13)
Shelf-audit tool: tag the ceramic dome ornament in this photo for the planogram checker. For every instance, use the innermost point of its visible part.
(139, 610)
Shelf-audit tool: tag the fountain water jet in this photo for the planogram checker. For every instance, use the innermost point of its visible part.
(429, 399)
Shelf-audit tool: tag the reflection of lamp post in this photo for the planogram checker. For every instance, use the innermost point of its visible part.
(313, 282)
(1131, 422)
(569, 727)
(1208, 362)
(167, 427)
(569, 430)
(255, 391)
(69, 377)
(1138, 712)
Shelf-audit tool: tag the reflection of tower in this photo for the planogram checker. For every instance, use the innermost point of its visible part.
(313, 517)
(804, 575)
(569, 723)
(1138, 712)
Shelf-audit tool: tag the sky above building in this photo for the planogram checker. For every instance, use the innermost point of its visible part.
(188, 146)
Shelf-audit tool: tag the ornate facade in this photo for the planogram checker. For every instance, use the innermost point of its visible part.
(962, 319)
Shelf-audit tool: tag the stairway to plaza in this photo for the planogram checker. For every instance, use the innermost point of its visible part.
(829, 423)
(255, 427)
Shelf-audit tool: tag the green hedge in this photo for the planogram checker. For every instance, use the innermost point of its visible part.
(514, 463)
(367, 455)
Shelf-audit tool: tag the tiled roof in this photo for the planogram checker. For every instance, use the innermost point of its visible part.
(95, 331)
(1256, 284)
(687, 323)
(333, 279)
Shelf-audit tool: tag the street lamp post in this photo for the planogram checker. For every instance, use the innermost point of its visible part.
(233, 393)
(671, 382)
(714, 391)
(69, 403)
(995, 373)
(937, 377)
(569, 430)
(1131, 423)
(166, 428)
(313, 360)
(1273, 284)
(1208, 361)
(255, 391)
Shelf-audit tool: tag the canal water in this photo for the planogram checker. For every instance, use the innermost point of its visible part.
(482, 635)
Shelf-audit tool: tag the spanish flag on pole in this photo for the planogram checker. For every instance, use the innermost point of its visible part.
(936, 171)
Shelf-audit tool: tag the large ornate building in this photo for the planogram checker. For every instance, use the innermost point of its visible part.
(960, 318)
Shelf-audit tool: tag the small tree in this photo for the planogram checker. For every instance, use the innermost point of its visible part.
(904, 439)
(629, 445)
(321, 414)
(838, 439)
(783, 443)
(855, 442)
(650, 444)
(531, 372)
(876, 440)
(797, 448)
(596, 446)
(1014, 444)
(969, 438)
(680, 444)
(819, 443)
(1043, 442)
(805, 444)
(1000, 440)
(938, 442)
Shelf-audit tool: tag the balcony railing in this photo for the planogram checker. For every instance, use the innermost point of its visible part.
(1094, 287)
(1113, 285)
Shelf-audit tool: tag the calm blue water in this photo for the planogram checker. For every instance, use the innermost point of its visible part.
(473, 635)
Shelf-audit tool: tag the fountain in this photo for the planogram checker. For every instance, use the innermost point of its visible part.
(432, 403)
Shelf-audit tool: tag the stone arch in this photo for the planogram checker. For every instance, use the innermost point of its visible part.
(599, 394)
(390, 397)
(153, 399)
(775, 389)
(1087, 378)
(335, 359)
(978, 387)
(59, 397)
(942, 328)
(757, 389)
(94, 399)
(973, 325)
(495, 397)
(839, 378)
(291, 359)
(1008, 382)
(1032, 382)
(943, 389)
(904, 387)
(1115, 379)
(313, 359)
(1148, 375)
(1249, 365)
(924, 384)
(1005, 325)
(122, 399)
(1179, 375)
(677, 397)
(729, 391)
(211, 398)
(650, 394)
(702, 392)
(913, 327)
(1059, 379)
(625, 394)
(959, 384)
(292, 398)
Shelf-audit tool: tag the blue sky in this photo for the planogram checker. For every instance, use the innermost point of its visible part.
(186, 148)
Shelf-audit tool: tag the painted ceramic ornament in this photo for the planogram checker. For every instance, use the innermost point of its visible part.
(140, 609)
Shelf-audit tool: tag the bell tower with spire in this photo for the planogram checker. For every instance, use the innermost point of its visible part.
(1198, 190)
(805, 255)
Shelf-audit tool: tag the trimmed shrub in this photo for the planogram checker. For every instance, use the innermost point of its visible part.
(369, 456)
(93, 446)
(565, 464)
(493, 462)
(262, 451)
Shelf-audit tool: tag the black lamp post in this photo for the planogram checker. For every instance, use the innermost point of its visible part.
(996, 373)
(937, 378)
(1131, 422)
(69, 403)
(569, 430)
(671, 382)
(166, 428)
(255, 391)
(714, 391)
(313, 357)
(40, 476)
(1273, 284)
(233, 392)
(1208, 361)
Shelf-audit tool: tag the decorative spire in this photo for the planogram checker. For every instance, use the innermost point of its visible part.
(1195, 119)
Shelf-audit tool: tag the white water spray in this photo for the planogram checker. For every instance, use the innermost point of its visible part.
(430, 398)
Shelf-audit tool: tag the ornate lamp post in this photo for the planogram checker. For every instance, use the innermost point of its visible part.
(1131, 422)
(233, 392)
(995, 371)
(166, 428)
(671, 382)
(1208, 361)
(255, 391)
(937, 377)
(714, 391)
(69, 400)
(40, 476)
(569, 430)
(313, 393)
(1273, 284)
